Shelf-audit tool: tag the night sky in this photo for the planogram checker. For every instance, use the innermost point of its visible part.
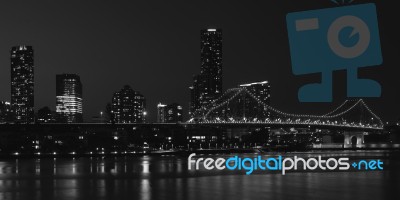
(154, 46)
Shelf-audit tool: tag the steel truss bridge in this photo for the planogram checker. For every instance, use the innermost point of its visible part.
(238, 106)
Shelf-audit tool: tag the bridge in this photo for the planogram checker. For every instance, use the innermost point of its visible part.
(233, 114)
(238, 106)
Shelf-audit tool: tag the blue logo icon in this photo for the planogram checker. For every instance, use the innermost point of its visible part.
(341, 38)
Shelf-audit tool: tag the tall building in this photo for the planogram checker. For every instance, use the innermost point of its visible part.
(22, 84)
(161, 113)
(211, 58)
(128, 106)
(207, 86)
(69, 98)
(171, 113)
(5, 112)
(261, 91)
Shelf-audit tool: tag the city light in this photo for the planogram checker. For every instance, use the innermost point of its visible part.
(22, 84)
(205, 114)
(69, 98)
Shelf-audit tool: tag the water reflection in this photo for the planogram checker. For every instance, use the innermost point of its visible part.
(37, 166)
(145, 190)
(146, 167)
(168, 178)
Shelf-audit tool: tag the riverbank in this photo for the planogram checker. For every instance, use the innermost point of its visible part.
(180, 152)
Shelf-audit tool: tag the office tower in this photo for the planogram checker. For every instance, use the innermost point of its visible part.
(262, 92)
(161, 113)
(211, 58)
(22, 84)
(5, 112)
(207, 86)
(171, 113)
(128, 106)
(69, 98)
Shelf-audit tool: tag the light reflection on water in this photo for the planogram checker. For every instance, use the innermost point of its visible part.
(168, 178)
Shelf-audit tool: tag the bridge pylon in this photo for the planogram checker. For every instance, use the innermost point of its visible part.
(354, 139)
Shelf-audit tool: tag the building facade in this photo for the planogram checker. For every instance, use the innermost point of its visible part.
(211, 58)
(45, 115)
(161, 113)
(22, 84)
(172, 113)
(69, 98)
(5, 112)
(128, 106)
(207, 86)
(262, 92)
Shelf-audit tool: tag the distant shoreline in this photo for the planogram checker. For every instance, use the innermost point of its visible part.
(199, 152)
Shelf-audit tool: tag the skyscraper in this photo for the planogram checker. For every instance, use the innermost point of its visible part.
(69, 98)
(207, 86)
(22, 82)
(128, 106)
(261, 91)
(161, 113)
(211, 58)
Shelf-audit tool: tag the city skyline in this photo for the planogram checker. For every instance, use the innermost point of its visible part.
(199, 99)
(252, 52)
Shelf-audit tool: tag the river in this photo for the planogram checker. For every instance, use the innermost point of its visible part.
(167, 177)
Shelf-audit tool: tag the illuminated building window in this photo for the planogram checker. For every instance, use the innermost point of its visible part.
(69, 98)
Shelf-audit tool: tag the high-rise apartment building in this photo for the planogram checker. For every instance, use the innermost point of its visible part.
(207, 86)
(128, 106)
(22, 84)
